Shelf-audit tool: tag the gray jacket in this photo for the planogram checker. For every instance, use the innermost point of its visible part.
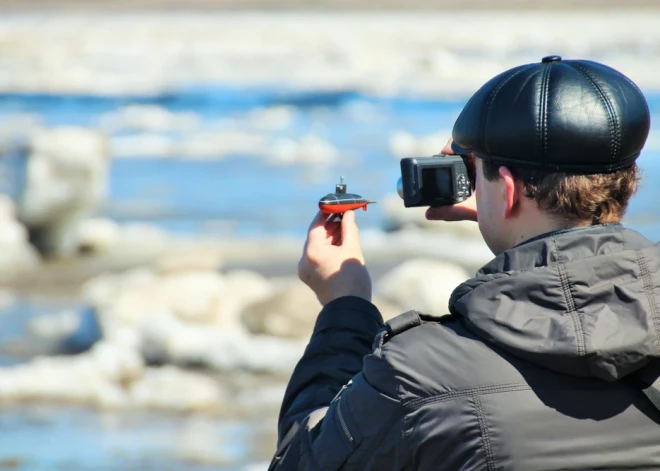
(523, 374)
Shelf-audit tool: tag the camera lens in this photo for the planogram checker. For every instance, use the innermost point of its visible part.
(399, 187)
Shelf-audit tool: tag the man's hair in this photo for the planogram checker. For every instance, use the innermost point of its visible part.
(592, 199)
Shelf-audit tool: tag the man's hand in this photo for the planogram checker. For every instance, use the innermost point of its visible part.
(464, 211)
(332, 264)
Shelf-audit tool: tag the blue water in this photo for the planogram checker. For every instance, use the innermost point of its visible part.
(72, 438)
(245, 194)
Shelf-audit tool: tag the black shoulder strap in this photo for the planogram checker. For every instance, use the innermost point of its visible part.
(284, 446)
(650, 389)
(403, 322)
(408, 320)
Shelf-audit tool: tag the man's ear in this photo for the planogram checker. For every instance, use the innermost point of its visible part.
(510, 192)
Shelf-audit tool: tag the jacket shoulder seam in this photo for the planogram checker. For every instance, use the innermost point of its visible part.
(485, 433)
(453, 394)
(392, 371)
(399, 395)
(571, 309)
(648, 290)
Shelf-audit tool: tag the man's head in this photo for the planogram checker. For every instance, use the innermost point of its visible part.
(515, 203)
(554, 145)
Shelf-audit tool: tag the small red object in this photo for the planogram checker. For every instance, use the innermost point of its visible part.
(339, 202)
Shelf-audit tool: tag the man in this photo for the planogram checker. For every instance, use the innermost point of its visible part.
(548, 356)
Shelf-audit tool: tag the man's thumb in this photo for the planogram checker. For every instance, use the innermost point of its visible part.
(350, 234)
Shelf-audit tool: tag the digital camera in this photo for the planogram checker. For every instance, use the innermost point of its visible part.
(440, 180)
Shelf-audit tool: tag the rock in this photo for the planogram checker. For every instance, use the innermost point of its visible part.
(424, 285)
(101, 291)
(96, 235)
(187, 317)
(290, 312)
(55, 326)
(110, 377)
(131, 244)
(134, 242)
(211, 298)
(95, 377)
(242, 288)
(118, 364)
(17, 256)
(66, 178)
(194, 296)
(134, 298)
(122, 302)
(173, 389)
(7, 208)
(167, 339)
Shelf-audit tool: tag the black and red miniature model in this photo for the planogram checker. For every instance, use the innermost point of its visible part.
(339, 202)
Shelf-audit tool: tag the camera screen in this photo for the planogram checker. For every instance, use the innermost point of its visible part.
(436, 184)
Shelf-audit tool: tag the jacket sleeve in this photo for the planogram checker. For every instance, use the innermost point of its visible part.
(341, 409)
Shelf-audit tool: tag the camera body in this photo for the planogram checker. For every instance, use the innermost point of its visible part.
(440, 180)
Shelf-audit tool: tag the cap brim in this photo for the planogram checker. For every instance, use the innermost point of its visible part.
(458, 150)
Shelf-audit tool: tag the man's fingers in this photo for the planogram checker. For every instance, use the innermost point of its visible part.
(350, 234)
(317, 229)
(447, 150)
(333, 232)
(465, 211)
(319, 220)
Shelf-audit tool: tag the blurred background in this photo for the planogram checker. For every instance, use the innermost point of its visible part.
(160, 163)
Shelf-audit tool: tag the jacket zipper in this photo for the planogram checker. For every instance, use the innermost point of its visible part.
(334, 399)
(343, 424)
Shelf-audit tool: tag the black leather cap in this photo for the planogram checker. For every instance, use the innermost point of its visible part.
(573, 116)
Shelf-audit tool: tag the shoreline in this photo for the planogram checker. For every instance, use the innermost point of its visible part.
(63, 278)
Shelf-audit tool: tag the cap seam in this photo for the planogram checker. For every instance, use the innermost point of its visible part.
(542, 120)
(615, 131)
(491, 99)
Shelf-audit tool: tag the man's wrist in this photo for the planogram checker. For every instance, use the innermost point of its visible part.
(349, 311)
(362, 294)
